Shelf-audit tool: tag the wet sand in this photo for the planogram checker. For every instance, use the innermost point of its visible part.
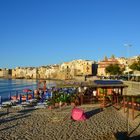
(44, 124)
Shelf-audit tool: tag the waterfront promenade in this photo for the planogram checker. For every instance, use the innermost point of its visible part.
(44, 124)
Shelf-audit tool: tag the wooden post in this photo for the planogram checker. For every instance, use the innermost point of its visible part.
(133, 107)
(117, 100)
(44, 87)
(81, 98)
(127, 117)
(38, 85)
(121, 91)
(16, 95)
(103, 101)
(124, 103)
(113, 99)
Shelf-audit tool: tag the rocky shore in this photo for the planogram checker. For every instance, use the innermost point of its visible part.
(56, 124)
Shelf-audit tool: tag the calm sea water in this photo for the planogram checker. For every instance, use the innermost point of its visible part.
(17, 85)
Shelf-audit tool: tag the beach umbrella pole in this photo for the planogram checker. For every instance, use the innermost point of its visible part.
(10, 96)
(16, 95)
(20, 98)
(0, 100)
(33, 95)
(27, 97)
(127, 118)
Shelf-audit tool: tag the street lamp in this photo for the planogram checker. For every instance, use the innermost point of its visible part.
(128, 47)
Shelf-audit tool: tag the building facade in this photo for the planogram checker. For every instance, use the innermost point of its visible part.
(106, 62)
(5, 73)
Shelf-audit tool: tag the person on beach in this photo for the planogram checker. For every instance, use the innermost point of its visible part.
(78, 114)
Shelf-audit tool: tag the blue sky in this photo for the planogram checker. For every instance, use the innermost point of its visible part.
(41, 32)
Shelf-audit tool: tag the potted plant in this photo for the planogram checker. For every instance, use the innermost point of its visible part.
(66, 99)
(72, 99)
(50, 103)
(57, 100)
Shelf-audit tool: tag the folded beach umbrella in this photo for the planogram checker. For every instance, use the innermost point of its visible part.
(20, 98)
(51, 94)
(10, 96)
(0, 100)
(42, 98)
(27, 97)
(47, 95)
(16, 94)
(33, 96)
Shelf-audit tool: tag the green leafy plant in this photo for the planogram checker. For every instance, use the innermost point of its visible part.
(137, 100)
(129, 99)
(72, 98)
(50, 102)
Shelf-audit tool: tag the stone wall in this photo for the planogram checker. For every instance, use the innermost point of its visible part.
(133, 88)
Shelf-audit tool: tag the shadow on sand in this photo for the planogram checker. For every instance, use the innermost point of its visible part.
(26, 110)
(93, 112)
(9, 127)
(125, 136)
(3, 114)
(14, 116)
(137, 116)
(134, 129)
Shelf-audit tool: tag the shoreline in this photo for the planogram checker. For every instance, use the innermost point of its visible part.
(80, 78)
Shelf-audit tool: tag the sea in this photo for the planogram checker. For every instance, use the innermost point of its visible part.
(13, 86)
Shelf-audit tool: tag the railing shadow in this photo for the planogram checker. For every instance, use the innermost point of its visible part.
(134, 129)
(9, 127)
(12, 118)
(117, 107)
(137, 116)
(26, 110)
(24, 113)
(3, 114)
(19, 115)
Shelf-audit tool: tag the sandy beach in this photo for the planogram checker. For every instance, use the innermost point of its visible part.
(44, 124)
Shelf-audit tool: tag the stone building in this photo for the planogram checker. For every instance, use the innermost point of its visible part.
(52, 72)
(72, 69)
(82, 67)
(5, 73)
(127, 62)
(19, 72)
(41, 72)
(122, 60)
(106, 62)
(31, 73)
(65, 71)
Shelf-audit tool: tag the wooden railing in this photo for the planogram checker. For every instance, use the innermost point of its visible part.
(127, 102)
(133, 102)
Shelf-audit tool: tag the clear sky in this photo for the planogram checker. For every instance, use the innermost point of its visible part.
(42, 32)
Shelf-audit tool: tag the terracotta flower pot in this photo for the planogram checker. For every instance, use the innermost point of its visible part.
(72, 104)
(56, 104)
(65, 104)
(50, 107)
